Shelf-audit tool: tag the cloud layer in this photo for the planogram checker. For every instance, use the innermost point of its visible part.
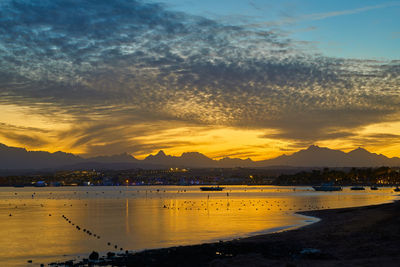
(125, 69)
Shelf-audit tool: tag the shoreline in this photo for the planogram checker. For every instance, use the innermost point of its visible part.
(358, 236)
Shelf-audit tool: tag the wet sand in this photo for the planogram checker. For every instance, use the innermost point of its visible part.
(362, 236)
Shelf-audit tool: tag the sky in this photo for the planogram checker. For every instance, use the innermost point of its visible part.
(225, 78)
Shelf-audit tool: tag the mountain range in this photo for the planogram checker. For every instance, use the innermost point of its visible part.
(13, 158)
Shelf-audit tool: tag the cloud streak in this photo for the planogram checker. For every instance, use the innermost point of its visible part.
(289, 19)
(319, 16)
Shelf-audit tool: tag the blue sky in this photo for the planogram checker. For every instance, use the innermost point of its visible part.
(362, 29)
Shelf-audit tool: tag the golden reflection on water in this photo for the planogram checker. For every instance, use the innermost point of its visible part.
(135, 218)
(127, 216)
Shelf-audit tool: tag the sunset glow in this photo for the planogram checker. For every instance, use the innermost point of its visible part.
(244, 81)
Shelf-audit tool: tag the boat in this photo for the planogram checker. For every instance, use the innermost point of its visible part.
(327, 187)
(357, 187)
(374, 187)
(40, 184)
(397, 189)
(211, 188)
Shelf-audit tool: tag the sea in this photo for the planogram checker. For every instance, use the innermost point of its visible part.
(55, 224)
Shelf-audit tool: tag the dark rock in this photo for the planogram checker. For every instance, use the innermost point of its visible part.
(94, 256)
(110, 255)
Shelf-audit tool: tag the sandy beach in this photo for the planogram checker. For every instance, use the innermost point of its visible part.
(361, 236)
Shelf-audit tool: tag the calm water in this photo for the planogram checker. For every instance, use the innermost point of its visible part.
(136, 218)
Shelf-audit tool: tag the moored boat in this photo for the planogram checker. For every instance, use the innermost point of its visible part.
(374, 187)
(327, 188)
(357, 187)
(397, 189)
(211, 188)
(40, 184)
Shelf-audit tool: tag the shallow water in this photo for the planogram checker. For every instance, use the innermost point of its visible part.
(136, 218)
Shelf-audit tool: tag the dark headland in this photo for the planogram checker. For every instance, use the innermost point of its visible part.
(361, 236)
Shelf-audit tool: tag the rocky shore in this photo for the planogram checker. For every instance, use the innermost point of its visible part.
(362, 236)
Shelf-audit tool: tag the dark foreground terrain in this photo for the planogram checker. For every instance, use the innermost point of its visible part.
(364, 236)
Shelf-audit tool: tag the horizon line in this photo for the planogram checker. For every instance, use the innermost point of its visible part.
(212, 158)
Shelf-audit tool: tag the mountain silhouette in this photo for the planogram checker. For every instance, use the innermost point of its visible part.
(187, 159)
(13, 158)
(120, 158)
(315, 156)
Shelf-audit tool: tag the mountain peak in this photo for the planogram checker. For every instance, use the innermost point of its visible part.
(359, 150)
(161, 153)
(193, 155)
(7, 148)
(159, 156)
(313, 148)
(195, 158)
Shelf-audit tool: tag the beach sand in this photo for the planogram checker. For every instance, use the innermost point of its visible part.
(362, 236)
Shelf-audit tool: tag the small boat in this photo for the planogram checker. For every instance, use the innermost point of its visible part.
(327, 188)
(397, 189)
(211, 188)
(374, 187)
(357, 187)
(40, 184)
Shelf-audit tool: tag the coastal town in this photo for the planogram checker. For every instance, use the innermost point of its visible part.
(382, 176)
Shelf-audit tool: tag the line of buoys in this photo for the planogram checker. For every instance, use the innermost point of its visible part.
(79, 228)
(280, 205)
